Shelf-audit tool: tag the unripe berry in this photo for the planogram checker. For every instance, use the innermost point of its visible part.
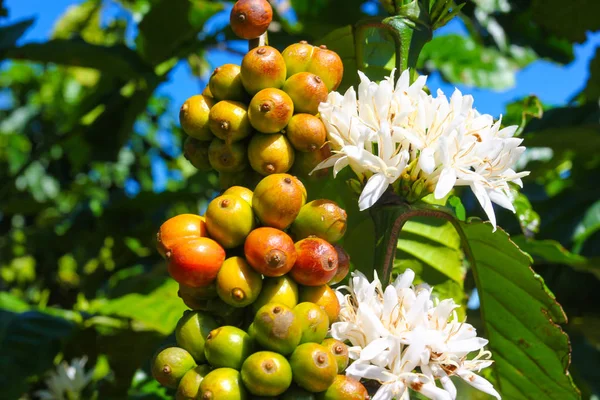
(196, 152)
(297, 57)
(270, 154)
(250, 18)
(225, 83)
(225, 157)
(193, 117)
(228, 120)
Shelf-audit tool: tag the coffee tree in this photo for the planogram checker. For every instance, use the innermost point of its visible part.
(315, 223)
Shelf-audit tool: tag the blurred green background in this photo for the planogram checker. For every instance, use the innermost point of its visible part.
(90, 162)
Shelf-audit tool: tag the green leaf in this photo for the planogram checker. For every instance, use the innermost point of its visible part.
(580, 123)
(319, 17)
(521, 318)
(117, 60)
(158, 310)
(552, 252)
(462, 60)
(522, 111)
(433, 242)
(158, 41)
(80, 19)
(588, 226)
(572, 22)
(379, 57)
(592, 88)
(29, 342)
(11, 33)
(529, 220)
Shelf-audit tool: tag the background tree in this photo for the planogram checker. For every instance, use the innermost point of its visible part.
(90, 165)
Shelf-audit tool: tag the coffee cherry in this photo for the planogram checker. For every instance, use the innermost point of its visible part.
(307, 91)
(193, 117)
(328, 65)
(227, 158)
(343, 265)
(270, 154)
(229, 219)
(321, 218)
(270, 251)
(270, 110)
(195, 262)
(305, 163)
(250, 18)
(306, 132)
(178, 228)
(196, 152)
(316, 263)
(277, 200)
(225, 83)
(297, 57)
(228, 120)
(263, 67)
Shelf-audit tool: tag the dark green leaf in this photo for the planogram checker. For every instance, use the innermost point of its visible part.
(158, 41)
(11, 33)
(319, 17)
(575, 18)
(158, 310)
(117, 60)
(581, 124)
(521, 318)
(29, 341)
(589, 225)
(551, 252)
(592, 89)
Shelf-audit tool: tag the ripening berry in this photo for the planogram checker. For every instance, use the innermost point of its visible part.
(250, 18)
(306, 132)
(305, 163)
(270, 110)
(180, 227)
(270, 251)
(263, 67)
(307, 91)
(277, 200)
(316, 263)
(195, 262)
(325, 63)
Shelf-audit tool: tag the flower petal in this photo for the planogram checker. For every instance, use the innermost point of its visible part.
(374, 189)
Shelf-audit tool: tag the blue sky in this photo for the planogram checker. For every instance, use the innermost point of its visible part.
(554, 84)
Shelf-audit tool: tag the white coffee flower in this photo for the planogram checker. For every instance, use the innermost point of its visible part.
(404, 340)
(431, 144)
(67, 382)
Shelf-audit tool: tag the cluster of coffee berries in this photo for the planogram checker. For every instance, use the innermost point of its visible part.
(260, 118)
(255, 271)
